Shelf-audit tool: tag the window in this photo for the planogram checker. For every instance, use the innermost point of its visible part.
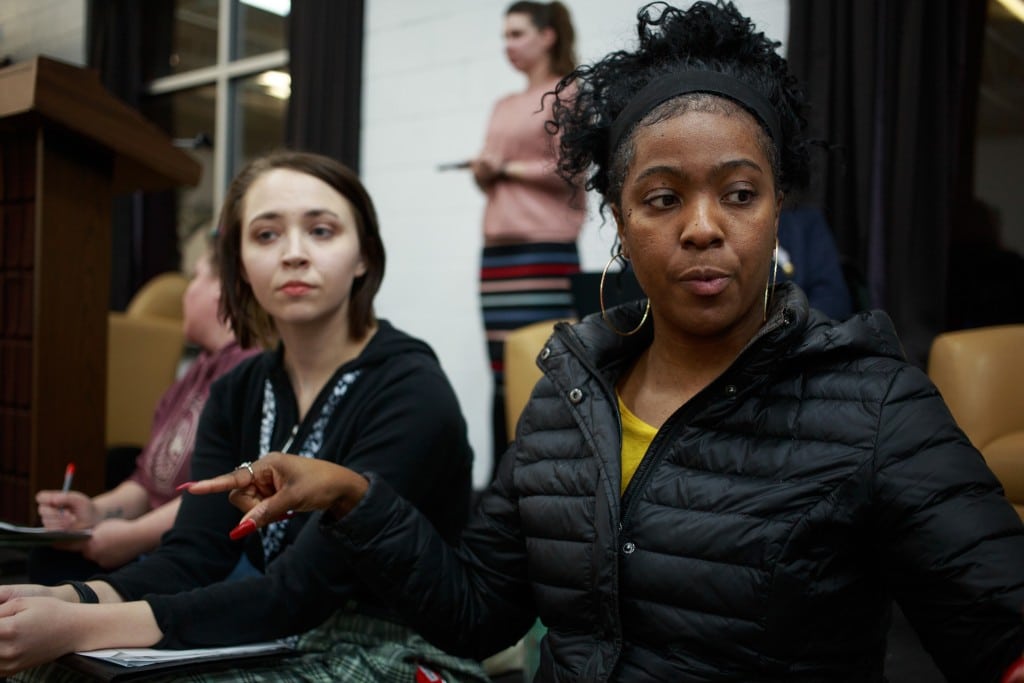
(986, 265)
(1000, 136)
(221, 91)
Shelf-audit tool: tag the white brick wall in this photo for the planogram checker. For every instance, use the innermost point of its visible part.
(432, 71)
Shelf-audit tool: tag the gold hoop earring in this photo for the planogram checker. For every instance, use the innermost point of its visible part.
(771, 284)
(600, 298)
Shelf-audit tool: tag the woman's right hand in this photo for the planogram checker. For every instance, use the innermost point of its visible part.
(71, 510)
(281, 484)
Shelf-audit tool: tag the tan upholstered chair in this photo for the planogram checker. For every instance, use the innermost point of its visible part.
(160, 297)
(980, 374)
(144, 347)
(521, 372)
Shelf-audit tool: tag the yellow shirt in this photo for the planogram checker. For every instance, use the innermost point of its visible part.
(636, 439)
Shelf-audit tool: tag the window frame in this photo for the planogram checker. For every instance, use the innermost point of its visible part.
(225, 74)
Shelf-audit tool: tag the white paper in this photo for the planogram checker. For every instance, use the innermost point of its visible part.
(41, 532)
(143, 656)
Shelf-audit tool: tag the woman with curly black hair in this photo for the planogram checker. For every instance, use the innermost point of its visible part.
(715, 483)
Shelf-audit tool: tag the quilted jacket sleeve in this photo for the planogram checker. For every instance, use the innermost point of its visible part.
(470, 600)
(951, 546)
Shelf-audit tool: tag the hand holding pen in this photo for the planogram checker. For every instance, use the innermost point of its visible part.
(487, 168)
(66, 509)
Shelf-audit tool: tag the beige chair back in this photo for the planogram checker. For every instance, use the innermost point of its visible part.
(980, 374)
(521, 372)
(160, 297)
(142, 359)
(144, 347)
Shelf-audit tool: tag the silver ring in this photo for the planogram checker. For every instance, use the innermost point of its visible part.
(248, 465)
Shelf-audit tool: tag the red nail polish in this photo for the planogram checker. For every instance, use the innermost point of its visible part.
(246, 527)
(183, 487)
(1015, 672)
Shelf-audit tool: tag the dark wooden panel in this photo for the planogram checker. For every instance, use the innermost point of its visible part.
(72, 285)
(66, 146)
(17, 274)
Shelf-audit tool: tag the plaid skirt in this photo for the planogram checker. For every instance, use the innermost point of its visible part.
(347, 647)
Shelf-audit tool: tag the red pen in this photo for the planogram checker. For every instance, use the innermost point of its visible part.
(69, 474)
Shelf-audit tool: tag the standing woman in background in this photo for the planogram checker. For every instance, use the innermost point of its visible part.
(533, 216)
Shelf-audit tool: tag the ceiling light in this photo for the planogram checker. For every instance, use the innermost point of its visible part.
(1014, 7)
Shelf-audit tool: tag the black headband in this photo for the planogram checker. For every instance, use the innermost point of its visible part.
(664, 88)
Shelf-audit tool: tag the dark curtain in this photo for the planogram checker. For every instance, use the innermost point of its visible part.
(325, 40)
(893, 86)
(128, 42)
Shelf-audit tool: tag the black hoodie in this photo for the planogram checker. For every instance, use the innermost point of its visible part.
(400, 418)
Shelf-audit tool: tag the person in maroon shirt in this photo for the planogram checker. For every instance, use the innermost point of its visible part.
(129, 520)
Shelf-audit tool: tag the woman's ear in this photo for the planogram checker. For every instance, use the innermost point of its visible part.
(549, 37)
(620, 229)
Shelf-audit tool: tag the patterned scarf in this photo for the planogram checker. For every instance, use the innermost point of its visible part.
(273, 534)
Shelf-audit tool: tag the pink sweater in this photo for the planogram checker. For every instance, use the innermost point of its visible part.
(537, 205)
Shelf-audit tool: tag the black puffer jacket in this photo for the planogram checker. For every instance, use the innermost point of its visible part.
(761, 539)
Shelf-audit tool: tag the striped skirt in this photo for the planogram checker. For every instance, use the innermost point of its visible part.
(521, 284)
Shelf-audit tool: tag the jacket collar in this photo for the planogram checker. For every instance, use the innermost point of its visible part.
(792, 330)
(787, 317)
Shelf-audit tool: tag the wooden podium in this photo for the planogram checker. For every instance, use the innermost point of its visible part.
(67, 146)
